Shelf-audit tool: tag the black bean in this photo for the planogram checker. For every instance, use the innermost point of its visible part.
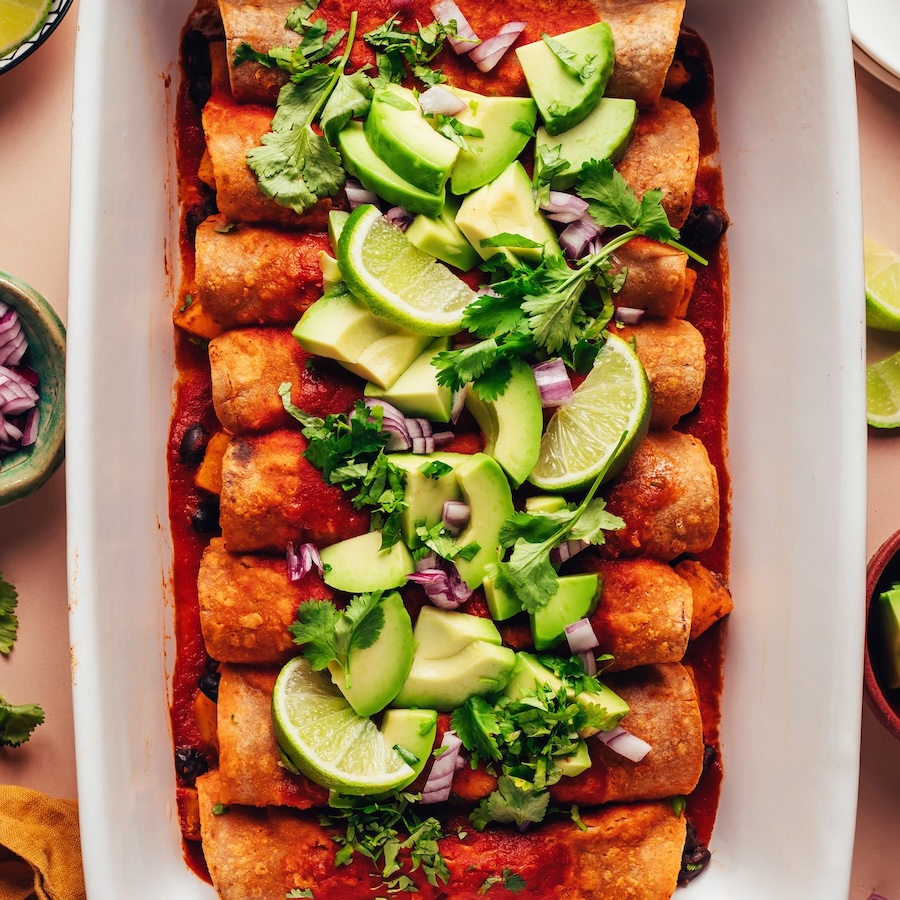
(199, 213)
(704, 226)
(709, 755)
(208, 682)
(190, 764)
(193, 444)
(694, 92)
(694, 858)
(197, 66)
(205, 519)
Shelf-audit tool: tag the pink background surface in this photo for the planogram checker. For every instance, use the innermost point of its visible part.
(35, 121)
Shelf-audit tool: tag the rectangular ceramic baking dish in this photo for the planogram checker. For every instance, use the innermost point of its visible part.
(787, 123)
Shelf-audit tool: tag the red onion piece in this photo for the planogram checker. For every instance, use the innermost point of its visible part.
(357, 194)
(442, 438)
(455, 515)
(428, 562)
(629, 315)
(565, 207)
(553, 383)
(589, 661)
(441, 101)
(300, 562)
(581, 636)
(400, 217)
(625, 743)
(442, 584)
(28, 374)
(446, 11)
(487, 54)
(440, 779)
(576, 237)
(566, 550)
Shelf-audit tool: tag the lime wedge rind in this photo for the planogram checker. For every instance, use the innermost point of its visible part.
(883, 392)
(882, 273)
(327, 741)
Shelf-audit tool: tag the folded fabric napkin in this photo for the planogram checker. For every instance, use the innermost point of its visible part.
(40, 847)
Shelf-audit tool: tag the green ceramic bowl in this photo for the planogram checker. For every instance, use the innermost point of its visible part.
(25, 471)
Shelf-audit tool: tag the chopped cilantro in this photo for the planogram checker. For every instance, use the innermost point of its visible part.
(396, 50)
(679, 804)
(9, 622)
(219, 809)
(514, 883)
(17, 722)
(585, 70)
(435, 469)
(328, 634)
(300, 894)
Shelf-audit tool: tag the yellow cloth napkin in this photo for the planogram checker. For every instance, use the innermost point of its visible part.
(40, 848)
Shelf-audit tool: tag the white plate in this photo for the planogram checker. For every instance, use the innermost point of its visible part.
(875, 25)
(786, 107)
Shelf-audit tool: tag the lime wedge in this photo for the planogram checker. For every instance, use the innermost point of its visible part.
(397, 280)
(882, 268)
(19, 20)
(581, 437)
(327, 741)
(883, 392)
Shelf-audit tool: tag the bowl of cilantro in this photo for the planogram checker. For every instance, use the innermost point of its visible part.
(32, 390)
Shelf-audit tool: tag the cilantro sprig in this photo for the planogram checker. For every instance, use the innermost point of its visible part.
(328, 634)
(528, 574)
(9, 622)
(538, 312)
(396, 50)
(348, 449)
(296, 166)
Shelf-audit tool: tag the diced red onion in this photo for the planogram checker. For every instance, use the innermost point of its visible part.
(553, 383)
(581, 636)
(400, 217)
(455, 515)
(300, 562)
(441, 101)
(28, 374)
(440, 779)
(446, 11)
(566, 550)
(442, 584)
(625, 743)
(430, 561)
(488, 53)
(629, 315)
(565, 207)
(576, 237)
(589, 660)
(357, 194)
(442, 438)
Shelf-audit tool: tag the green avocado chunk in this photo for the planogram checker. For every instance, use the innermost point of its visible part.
(604, 134)
(889, 609)
(376, 175)
(377, 672)
(359, 564)
(566, 92)
(413, 730)
(576, 597)
(507, 123)
(441, 238)
(440, 633)
(404, 139)
(575, 763)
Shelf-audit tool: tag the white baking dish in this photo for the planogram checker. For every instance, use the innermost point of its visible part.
(787, 118)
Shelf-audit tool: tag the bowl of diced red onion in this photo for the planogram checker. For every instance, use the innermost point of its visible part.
(32, 390)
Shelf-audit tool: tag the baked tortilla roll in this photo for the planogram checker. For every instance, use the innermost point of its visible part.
(673, 354)
(626, 852)
(658, 279)
(271, 495)
(664, 153)
(249, 364)
(249, 765)
(668, 495)
(712, 599)
(231, 130)
(251, 275)
(247, 603)
(645, 34)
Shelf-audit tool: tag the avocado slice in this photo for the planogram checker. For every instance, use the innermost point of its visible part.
(889, 609)
(417, 392)
(337, 219)
(529, 672)
(576, 597)
(500, 604)
(424, 495)
(441, 633)
(374, 174)
(505, 205)
(575, 763)
(506, 123)
(480, 668)
(414, 730)
(563, 97)
(377, 672)
(610, 706)
(544, 503)
(512, 424)
(441, 238)
(404, 139)
(604, 134)
(386, 359)
(331, 271)
(359, 564)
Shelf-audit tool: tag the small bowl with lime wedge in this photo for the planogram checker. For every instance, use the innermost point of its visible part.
(881, 676)
(25, 25)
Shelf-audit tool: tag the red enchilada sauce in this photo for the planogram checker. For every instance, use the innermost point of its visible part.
(193, 512)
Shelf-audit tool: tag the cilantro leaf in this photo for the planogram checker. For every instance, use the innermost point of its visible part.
(508, 239)
(548, 163)
(477, 726)
(351, 98)
(511, 803)
(328, 635)
(18, 722)
(584, 70)
(611, 201)
(396, 49)
(9, 622)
